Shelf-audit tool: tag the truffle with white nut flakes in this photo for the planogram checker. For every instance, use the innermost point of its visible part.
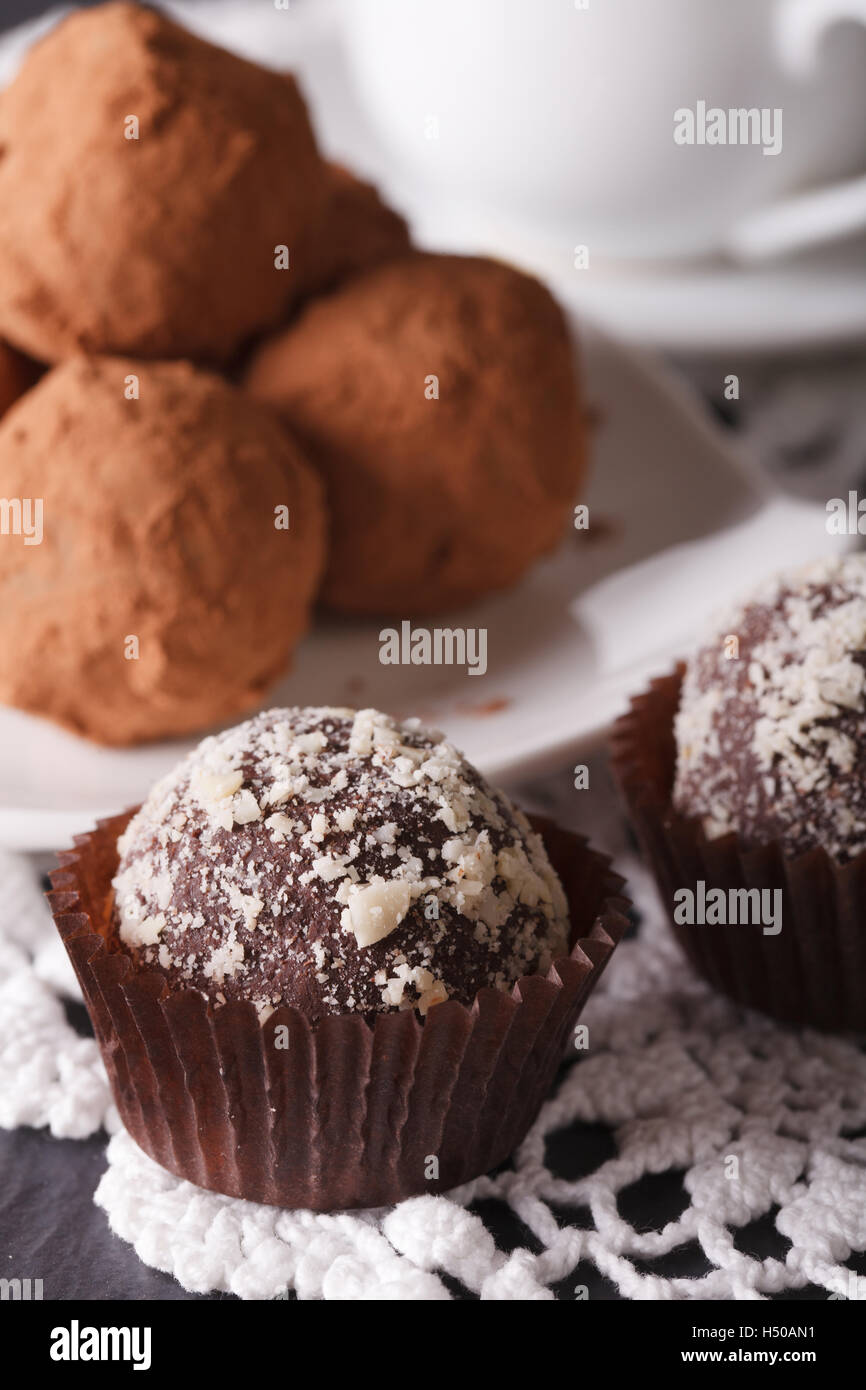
(337, 862)
(771, 730)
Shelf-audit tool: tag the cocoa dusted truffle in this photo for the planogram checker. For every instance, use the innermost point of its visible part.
(771, 729)
(146, 181)
(337, 862)
(437, 395)
(181, 538)
(356, 230)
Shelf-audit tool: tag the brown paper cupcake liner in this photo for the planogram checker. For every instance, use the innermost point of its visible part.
(814, 970)
(348, 1114)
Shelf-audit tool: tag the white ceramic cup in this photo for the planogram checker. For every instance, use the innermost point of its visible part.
(560, 115)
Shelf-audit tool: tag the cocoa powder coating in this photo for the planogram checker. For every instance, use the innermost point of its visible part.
(159, 525)
(336, 861)
(437, 396)
(162, 245)
(355, 231)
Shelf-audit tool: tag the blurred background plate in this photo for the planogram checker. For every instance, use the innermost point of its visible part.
(676, 520)
(679, 520)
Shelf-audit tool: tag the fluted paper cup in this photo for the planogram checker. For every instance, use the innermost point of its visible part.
(812, 971)
(341, 1114)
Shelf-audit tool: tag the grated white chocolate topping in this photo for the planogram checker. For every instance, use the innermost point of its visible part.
(337, 861)
(772, 743)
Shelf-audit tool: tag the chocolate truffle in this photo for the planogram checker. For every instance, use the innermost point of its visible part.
(337, 862)
(771, 729)
(16, 376)
(437, 395)
(146, 180)
(164, 591)
(356, 230)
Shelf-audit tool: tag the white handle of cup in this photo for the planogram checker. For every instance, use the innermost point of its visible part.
(828, 213)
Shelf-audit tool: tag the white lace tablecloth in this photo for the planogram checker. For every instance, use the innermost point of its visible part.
(752, 1121)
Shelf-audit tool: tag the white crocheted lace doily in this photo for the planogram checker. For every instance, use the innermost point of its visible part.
(755, 1120)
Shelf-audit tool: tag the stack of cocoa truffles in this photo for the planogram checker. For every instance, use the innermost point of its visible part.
(230, 386)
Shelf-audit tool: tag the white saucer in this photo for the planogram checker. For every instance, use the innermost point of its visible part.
(811, 304)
